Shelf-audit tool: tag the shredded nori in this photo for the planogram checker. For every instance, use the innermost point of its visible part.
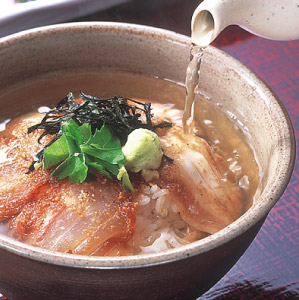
(122, 115)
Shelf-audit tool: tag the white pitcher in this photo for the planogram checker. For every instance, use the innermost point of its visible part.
(273, 19)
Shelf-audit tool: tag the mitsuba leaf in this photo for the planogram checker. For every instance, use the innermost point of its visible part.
(73, 136)
(103, 138)
(112, 156)
(55, 153)
(72, 144)
(100, 168)
(73, 167)
(103, 145)
(113, 169)
(85, 131)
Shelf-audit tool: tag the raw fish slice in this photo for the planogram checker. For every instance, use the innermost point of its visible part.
(61, 232)
(17, 187)
(18, 127)
(85, 203)
(113, 248)
(205, 198)
(105, 212)
(168, 112)
(37, 216)
(77, 218)
(119, 226)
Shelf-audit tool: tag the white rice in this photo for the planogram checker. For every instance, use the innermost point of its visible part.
(159, 225)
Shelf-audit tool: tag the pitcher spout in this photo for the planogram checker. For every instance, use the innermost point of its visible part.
(275, 19)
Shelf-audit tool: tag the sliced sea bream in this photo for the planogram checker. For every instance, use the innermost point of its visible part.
(17, 187)
(77, 218)
(205, 198)
(196, 179)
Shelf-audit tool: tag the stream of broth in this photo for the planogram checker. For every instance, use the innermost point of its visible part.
(191, 82)
(224, 135)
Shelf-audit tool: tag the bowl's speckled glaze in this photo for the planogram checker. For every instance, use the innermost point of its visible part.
(184, 273)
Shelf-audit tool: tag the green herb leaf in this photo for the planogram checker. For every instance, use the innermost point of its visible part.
(104, 146)
(100, 168)
(113, 169)
(56, 153)
(85, 131)
(110, 155)
(73, 167)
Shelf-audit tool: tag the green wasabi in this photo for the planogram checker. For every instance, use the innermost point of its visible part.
(142, 151)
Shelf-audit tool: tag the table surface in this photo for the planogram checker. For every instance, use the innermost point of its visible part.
(269, 269)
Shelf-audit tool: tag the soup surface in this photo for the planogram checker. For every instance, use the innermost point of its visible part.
(212, 180)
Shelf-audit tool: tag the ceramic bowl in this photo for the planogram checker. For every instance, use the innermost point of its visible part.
(28, 272)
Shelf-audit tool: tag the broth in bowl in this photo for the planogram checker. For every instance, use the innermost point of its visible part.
(203, 182)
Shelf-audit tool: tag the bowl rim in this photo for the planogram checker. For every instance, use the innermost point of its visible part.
(253, 215)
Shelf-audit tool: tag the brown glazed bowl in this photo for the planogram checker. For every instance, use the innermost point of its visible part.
(28, 272)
